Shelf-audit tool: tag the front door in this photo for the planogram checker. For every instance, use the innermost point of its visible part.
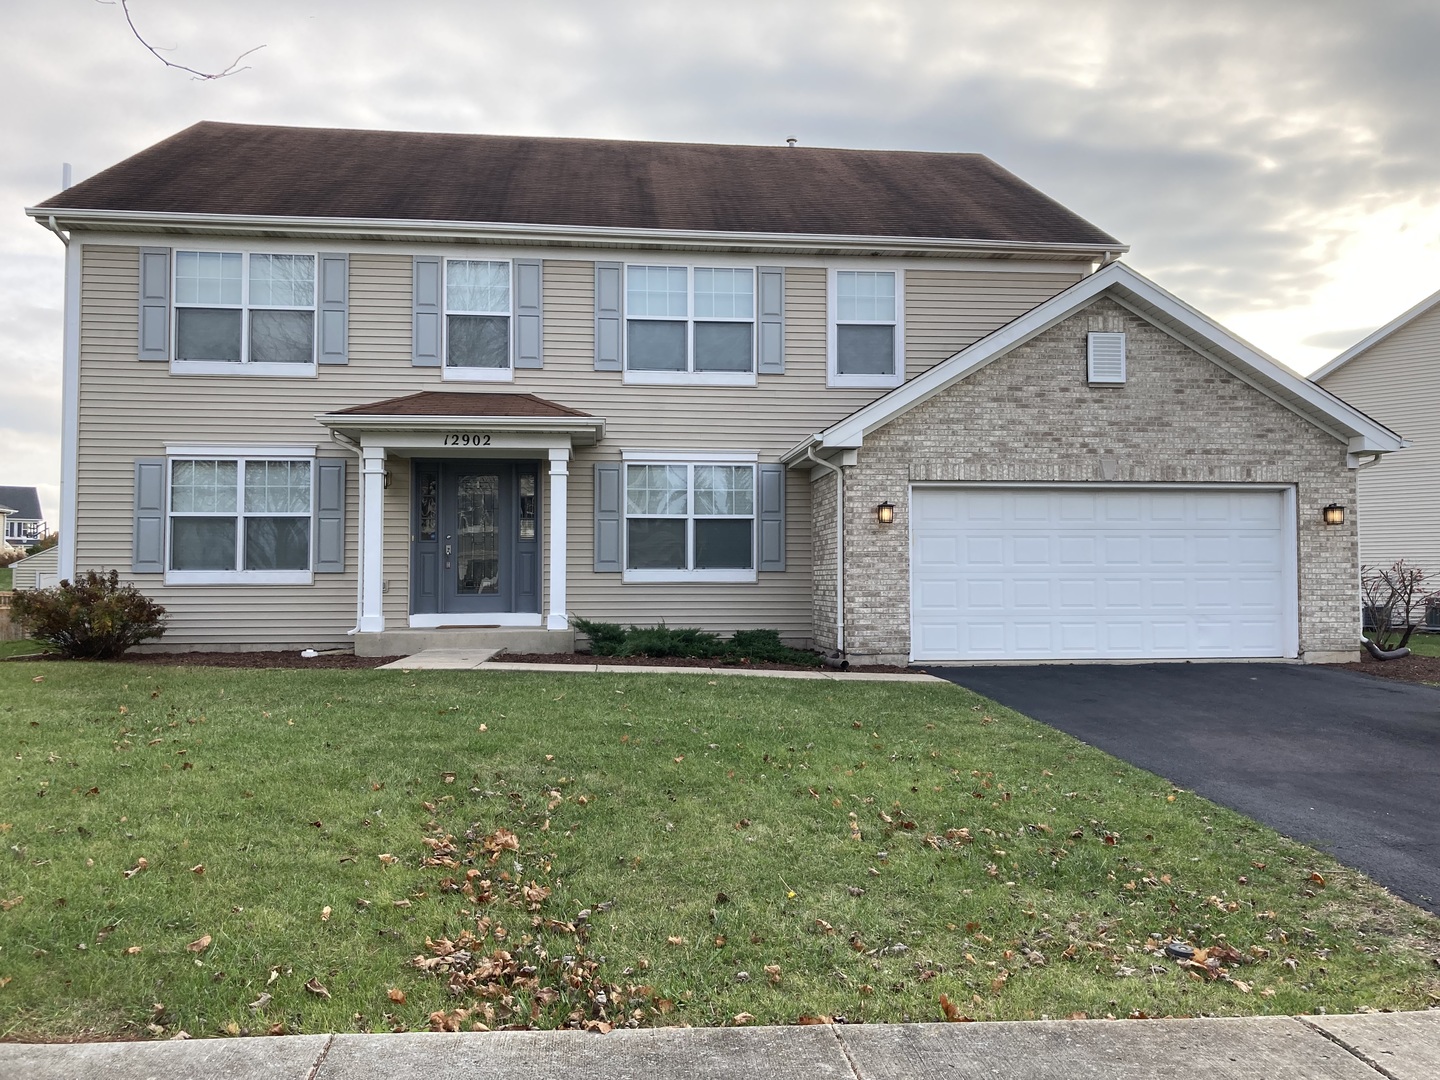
(476, 537)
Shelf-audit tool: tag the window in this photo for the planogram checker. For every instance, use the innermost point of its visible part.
(690, 323)
(477, 319)
(239, 519)
(866, 341)
(237, 308)
(689, 520)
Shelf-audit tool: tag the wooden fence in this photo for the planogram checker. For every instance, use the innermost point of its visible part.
(8, 630)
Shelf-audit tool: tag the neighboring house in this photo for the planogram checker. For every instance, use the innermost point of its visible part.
(38, 571)
(23, 521)
(1394, 375)
(397, 388)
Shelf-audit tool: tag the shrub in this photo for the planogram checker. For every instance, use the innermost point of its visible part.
(92, 618)
(746, 646)
(1391, 598)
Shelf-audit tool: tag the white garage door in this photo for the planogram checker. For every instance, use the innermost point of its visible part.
(1072, 573)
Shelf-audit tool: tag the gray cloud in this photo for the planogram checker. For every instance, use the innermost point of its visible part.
(1223, 142)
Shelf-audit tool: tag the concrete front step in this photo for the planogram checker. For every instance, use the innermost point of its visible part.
(509, 638)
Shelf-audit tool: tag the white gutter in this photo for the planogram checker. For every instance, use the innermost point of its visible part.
(839, 545)
(591, 235)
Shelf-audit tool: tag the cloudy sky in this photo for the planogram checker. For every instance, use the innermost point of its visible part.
(1276, 164)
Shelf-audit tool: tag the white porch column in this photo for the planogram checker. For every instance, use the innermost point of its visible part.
(558, 618)
(372, 539)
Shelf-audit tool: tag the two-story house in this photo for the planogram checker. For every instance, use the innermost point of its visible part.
(391, 387)
(24, 522)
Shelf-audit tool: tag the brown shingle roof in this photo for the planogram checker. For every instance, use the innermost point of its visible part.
(460, 403)
(214, 168)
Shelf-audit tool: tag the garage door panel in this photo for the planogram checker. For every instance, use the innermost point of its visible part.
(1035, 573)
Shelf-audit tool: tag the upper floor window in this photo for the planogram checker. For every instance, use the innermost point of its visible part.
(477, 319)
(687, 323)
(866, 340)
(244, 308)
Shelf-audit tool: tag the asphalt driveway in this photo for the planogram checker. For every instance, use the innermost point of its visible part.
(1348, 763)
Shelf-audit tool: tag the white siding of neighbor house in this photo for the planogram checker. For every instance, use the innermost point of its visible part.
(130, 409)
(1397, 381)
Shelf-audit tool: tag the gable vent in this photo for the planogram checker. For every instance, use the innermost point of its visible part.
(1106, 356)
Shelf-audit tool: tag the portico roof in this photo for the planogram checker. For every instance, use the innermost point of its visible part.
(466, 411)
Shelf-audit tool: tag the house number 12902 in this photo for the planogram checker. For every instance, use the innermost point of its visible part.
(466, 439)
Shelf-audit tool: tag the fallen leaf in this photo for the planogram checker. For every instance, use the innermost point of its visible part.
(397, 996)
(772, 971)
(200, 944)
(388, 860)
(260, 1002)
(675, 940)
(952, 1012)
(325, 913)
(807, 1020)
(314, 986)
(743, 1018)
(38, 678)
(133, 950)
(140, 864)
(198, 868)
(1318, 880)
(6, 905)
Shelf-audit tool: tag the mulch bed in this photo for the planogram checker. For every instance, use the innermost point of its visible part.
(671, 661)
(1412, 668)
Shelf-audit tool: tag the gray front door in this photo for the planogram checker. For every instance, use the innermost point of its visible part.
(476, 537)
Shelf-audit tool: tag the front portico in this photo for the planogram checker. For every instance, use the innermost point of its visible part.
(487, 476)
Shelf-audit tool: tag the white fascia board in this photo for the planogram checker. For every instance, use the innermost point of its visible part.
(1378, 336)
(1243, 359)
(569, 235)
(492, 423)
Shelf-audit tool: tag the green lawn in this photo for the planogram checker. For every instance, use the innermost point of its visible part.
(24, 647)
(7, 578)
(743, 845)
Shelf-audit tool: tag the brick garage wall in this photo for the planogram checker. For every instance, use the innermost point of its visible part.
(1031, 416)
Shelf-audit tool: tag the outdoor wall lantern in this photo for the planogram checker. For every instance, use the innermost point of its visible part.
(1334, 514)
(885, 513)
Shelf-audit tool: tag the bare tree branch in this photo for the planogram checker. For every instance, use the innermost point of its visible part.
(199, 76)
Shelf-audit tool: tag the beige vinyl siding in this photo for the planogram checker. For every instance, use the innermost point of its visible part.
(131, 409)
(946, 310)
(27, 569)
(1397, 381)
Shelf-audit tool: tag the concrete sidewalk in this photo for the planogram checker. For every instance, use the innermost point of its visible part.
(1397, 1046)
(439, 659)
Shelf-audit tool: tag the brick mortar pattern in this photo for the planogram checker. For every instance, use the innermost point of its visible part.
(1179, 418)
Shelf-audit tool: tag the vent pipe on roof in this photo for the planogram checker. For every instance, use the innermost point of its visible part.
(65, 176)
(791, 141)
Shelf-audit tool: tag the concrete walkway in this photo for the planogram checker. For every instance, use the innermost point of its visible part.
(471, 659)
(1397, 1046)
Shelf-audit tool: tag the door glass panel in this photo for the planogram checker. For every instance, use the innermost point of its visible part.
(429, 496)
(527, 506)
(477, 535)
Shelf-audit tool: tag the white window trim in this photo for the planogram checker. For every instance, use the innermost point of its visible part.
(729, 577)
(469, 374)
(243, 366)
(832, 374)
(240, 456)
(691, 377)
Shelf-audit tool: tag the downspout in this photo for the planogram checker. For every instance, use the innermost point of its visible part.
(839, 549)
(56, 230)
(351, 444)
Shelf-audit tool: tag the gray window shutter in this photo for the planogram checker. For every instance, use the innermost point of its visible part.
(147, 555)
(427, 311)
(334, 309)
(770, 322)
(770, 521)
(609, 315)
(528, 285)
(330, 515)
(608, 519)
(154, 303)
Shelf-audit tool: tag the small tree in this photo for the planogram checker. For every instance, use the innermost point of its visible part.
(1391, 598)
(93, 618)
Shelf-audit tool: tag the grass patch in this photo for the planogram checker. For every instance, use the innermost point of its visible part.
(23, 647)
(7, 578)
(805, 834)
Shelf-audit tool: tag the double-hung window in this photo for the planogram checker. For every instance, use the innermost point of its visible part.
(689, 520)
(866, 338)
(237, 519)
(477, 319)
(690, 324)
(245, 311)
